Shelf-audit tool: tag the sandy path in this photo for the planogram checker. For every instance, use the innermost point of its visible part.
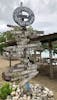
(4, 64)
(51, 84)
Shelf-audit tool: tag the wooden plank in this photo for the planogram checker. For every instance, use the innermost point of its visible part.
(23, 82)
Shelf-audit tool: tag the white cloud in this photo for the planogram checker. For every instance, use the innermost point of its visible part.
(3, 28)
(45, 13)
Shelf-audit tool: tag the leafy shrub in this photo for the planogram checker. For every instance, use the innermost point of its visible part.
(5, 90)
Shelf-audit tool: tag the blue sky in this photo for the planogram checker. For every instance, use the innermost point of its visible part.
(45, 14)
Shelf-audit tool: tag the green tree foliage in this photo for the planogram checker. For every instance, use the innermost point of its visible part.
(2, 40)
(16, 28)
(30, 28)
(4, 37)
(1, 48)
(8, 35)
(45, 45)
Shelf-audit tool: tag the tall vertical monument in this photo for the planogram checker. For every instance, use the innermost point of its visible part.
(27, 69)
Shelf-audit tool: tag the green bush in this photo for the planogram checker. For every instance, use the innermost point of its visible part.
(5, 90)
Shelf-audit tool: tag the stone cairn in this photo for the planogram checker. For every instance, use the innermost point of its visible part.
(27, 69)
(34, 92)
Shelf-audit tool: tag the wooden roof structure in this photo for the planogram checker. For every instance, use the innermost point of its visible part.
(45, 38)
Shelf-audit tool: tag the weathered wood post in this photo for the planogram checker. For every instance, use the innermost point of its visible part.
(34, 55)
(50, 55)
(40, 56)
(9, 59)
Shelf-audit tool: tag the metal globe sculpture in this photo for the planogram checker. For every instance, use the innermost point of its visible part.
(23, 16)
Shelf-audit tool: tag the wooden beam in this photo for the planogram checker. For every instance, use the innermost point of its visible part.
(45, 38)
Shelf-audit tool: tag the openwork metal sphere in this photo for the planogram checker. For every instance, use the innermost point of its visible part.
(23, 16)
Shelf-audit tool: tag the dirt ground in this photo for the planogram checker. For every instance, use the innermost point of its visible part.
(41, 79)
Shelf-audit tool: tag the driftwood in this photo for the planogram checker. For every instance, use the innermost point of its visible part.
(20, 72)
